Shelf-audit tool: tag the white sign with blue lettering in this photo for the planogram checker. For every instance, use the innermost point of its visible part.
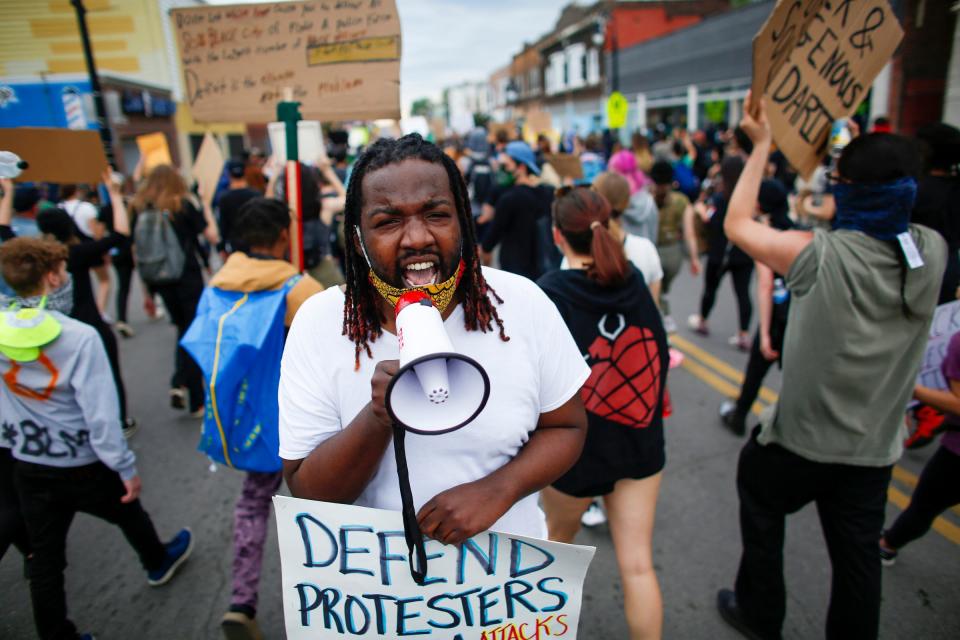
(345, 574)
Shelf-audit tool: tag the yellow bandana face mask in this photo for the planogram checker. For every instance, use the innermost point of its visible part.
(441, 294)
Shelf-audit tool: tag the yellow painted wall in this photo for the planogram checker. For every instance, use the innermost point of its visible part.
(41, 36)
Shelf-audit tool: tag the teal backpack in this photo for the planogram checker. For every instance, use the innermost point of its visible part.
(237, 340)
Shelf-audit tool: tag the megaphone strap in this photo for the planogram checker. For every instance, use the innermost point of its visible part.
(411, 528)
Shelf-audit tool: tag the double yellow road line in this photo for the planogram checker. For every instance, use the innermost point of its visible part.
(727, 379)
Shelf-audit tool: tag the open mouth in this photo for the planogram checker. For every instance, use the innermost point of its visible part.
(420, 274)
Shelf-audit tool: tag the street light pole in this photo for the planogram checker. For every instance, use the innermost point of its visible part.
(98, 103)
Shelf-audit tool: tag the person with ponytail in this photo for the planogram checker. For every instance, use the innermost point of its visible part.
(609, 310)
(862, 300)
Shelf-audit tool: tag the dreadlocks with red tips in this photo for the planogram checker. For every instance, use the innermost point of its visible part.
(362, 315)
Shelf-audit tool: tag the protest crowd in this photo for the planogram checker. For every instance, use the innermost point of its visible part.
(549, 264)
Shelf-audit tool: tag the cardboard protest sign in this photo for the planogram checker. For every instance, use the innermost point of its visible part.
(539, 122)
(566, 164)
(208, 167)
(340, 58)
(946, 322)
(617, 109)
(778, 37)
(509, 127)
(828, 75)
(57, 155)
(345, 573)
(154, 150)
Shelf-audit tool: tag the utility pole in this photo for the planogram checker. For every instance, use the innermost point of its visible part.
(98, 103)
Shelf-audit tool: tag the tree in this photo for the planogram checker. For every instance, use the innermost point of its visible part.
(422, 107)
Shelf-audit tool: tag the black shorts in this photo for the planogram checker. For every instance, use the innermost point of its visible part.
(613, 452)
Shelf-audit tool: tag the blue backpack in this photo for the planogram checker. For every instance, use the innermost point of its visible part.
(237, 340)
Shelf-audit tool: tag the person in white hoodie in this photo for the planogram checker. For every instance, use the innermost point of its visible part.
(60, 421)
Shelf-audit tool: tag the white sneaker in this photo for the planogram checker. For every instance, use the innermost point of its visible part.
(669, 325)
(727, 407)
(593, 516)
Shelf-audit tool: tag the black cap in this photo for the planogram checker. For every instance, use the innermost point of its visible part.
(236, 168)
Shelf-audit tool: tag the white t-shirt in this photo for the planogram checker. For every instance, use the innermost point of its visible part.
(538, 370)
(83, 213)
(642, 253)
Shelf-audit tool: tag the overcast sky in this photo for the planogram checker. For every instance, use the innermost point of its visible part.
(446, 42)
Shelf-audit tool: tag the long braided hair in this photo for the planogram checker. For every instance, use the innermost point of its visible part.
(362, 315)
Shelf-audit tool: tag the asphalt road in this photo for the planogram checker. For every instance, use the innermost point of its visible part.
(697, 542)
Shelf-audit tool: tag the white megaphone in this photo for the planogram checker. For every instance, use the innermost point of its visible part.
(437, 390)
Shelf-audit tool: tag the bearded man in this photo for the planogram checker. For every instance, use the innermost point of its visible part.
(408, 226)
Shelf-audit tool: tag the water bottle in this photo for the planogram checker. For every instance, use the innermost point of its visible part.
(780, 293)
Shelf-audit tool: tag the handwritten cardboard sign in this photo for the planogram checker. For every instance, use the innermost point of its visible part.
(778, 37)
(57, 155)
(828, 75)
(946, 322)
(208, 167)
(539, 122)
(566, 164)
(154, 150)
(509, 128)
(341, 58)
(345, 574)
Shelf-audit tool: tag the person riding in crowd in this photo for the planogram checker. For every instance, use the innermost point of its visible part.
(640, 251)
(87, 466)
(262, 228)
(723, 258)
(238, 193)
(773, 302)
(863, 296)
(408, 227)
(77, 299)
(676, 233)
(521, 217)
(164, 190)
(640, 215)
(939, 486)
(605, 304)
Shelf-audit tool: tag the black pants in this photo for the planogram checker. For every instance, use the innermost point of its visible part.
(773, 482)
(740, 273)
(124, 279)
(50, 497)
(113, 355)
(12, 528)
(181, 301)
(757, 368)
(937, 491)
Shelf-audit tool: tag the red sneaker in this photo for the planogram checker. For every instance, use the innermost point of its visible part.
(929, 422)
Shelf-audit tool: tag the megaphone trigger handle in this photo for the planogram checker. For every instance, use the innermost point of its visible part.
(411, 528)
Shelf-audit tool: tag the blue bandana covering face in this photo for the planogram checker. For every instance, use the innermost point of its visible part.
(881, 211)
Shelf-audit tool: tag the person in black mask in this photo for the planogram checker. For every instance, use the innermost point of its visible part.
(612, 316)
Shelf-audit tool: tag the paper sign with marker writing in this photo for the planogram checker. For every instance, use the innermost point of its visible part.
(946, 322)
(345, 574)
(154, 150)
(828, 74)
(341, 59)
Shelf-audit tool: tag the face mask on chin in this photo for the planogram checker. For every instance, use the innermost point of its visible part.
(60, 299)
(441, 293)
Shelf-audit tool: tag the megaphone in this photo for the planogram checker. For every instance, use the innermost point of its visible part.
(436, 390)
(11, 166)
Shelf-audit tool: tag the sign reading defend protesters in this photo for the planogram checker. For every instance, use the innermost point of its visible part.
(345, 574)
(828, 74)
(341, 59)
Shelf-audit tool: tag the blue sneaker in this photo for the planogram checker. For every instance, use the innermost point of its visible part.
(178, 550)
(87, 636)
